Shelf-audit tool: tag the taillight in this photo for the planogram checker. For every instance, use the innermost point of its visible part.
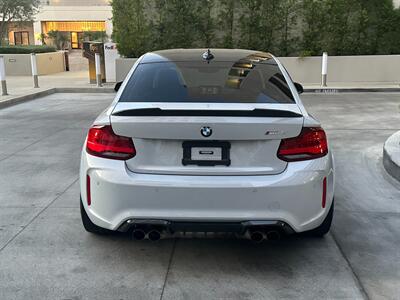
(310, 144)
(103, 142)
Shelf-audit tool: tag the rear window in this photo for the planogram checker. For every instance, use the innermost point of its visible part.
(232, 82)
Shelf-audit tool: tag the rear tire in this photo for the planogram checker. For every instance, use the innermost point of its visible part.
(324, 228)
(89, 225)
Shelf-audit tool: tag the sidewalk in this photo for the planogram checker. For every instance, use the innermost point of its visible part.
(354, 87)
(18, 86)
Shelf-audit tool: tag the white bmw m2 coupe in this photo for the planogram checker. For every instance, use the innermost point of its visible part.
(201, 140)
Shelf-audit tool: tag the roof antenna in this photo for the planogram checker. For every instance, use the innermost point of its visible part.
(208, 56)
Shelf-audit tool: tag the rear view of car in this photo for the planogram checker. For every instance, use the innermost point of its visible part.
(200, 140)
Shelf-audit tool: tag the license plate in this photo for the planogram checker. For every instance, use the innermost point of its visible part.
(206, 153)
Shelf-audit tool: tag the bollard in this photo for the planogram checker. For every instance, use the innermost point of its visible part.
(34, 71)
(3, 77)
(98, 69)
(324, 69)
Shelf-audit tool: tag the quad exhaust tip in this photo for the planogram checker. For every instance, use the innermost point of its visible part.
(138, 234)
(259, 236)
(154, 235)
(273, 235)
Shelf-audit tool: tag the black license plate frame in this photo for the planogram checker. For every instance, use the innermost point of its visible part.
(225, 153)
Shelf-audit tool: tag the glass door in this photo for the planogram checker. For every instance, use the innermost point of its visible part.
(21, 38)
(74, 40)
(80, 40)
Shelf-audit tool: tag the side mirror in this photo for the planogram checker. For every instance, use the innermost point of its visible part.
(299, 87)
(117, 86)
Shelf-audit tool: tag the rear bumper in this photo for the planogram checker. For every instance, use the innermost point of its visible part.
(293, 197)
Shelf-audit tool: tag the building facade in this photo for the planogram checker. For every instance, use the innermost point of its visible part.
(72, 18)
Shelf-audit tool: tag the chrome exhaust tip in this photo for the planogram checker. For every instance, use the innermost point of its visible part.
(138, 234)
(257, 236)
(273, 235)
(154, 235)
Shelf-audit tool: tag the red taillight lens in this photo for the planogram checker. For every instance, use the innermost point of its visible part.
(103, 142)
(310, 144)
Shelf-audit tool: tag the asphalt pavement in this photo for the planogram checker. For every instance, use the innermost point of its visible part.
(46, 254)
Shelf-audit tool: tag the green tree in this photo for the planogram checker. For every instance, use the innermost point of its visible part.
(180, 23)
(313, 14)
(96, 36)
(42, 38)
(131, 27)
(284, 27)
(250, 23)
(227, 22)
(60, 39)
(290, 35)
(15, 11)
(158, 31)
(205, 23)
(271, 23)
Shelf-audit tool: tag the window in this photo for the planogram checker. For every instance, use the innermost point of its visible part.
(233, 82)
(21, 38)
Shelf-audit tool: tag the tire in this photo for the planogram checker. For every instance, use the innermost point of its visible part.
(324, 228)
(89, 225)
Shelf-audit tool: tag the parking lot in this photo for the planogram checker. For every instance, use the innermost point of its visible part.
(46, 254)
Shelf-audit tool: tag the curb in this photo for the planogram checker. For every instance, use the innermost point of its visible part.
(351, 90)
(391, 155)
(32, 96)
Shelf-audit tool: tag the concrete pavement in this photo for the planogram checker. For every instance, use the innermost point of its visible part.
(23, 85)
(46, 254)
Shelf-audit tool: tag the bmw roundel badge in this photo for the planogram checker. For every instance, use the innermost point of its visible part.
(206, 131)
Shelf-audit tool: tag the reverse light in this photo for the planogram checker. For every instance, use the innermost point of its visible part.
(310, 144)
(103, 142)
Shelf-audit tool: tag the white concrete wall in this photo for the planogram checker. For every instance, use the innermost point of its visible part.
(375, 69)
(122, 67)
(378, 69)
(17, 64)
(20, 64)
(50, 63)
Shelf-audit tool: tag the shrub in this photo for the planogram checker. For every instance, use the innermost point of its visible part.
(285, 27)
(26, 49)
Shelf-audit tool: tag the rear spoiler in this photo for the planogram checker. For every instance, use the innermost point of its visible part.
(157, 112)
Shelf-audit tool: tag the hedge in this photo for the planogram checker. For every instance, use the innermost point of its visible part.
(26, 49)
(283, 27)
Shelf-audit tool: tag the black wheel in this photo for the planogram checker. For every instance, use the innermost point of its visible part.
(89, 225)
(324, 228)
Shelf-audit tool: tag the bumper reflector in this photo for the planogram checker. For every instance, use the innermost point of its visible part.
(88, 195)
(324, 193)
